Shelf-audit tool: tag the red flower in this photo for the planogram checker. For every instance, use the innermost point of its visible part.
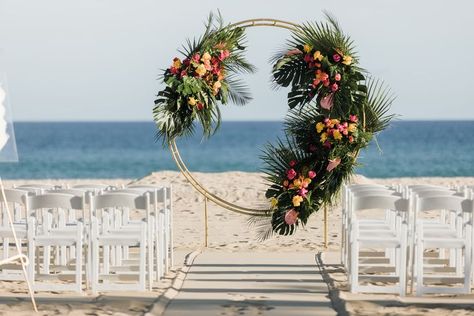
(183, 73)
(353, 118)
(336, 58)
(327, 144)
(326, 82)
(291, 174)
(292, 163)
(312, 148)
(337, 77)
(334, 87)
(308, 58)
(200, 106)
(311, 174)
(174, 70)
(186, 62)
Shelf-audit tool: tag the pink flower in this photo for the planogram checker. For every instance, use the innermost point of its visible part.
(183, 73)
(291, 174)
(224, 54)
(353, 118)
(292, 163)
(326, 83)
(302, 192)
(336, 58)
(311, 174)
(197, 57)
(333, 163)
(337, 77)
(327, 102)
(291, 217)
(351, 139)
(334, 87)
(292, 52)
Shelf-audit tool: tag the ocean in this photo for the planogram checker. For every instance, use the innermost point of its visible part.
(129, 150)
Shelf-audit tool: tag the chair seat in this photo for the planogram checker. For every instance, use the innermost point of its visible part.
(379, 241)
(443, 242)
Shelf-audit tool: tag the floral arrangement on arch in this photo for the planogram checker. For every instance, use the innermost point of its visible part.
(335, 111)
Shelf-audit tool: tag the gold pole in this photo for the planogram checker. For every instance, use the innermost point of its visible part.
(206, 226)
(326, 226)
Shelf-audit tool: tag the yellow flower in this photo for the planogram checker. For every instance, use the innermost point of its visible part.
(318, 56)
(352, 128)
(347, 60)
(206, 56)
(334, 122)
(192, 101)
(307, 48)
(297, 183)
(324, 137)
(297, 200)
(337, 135)
(216, 86)
(176, 63)
(319, 127)
(307, 181)
(201, 70)
(274, 202)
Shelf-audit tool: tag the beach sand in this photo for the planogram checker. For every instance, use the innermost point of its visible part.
(227, 232)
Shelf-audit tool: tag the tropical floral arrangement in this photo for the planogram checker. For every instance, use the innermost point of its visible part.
(336, 109)
(203, 78)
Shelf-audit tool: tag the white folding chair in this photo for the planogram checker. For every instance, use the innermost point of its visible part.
(445, 239)
(387, 239)
(364, 224)
(110, 231)
(15, 201)
(47, 235)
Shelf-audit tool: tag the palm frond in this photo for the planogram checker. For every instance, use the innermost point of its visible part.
(377, 107)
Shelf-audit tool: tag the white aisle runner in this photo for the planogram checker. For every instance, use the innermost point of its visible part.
(252, 283)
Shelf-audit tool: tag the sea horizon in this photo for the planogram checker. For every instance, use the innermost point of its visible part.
(128, 149)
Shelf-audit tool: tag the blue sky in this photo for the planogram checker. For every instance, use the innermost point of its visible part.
(99, 59)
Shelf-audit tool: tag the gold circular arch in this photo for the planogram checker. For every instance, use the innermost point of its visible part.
(174, 148)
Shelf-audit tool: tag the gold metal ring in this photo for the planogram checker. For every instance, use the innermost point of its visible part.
(174, 148)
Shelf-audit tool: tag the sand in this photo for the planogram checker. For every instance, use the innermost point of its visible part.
(229, 232)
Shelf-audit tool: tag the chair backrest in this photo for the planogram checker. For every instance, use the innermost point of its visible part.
(54, 200)
(451, 203)
(75, 192)
(91, 186)
(112, 200)
(15, 195)
(382, 202)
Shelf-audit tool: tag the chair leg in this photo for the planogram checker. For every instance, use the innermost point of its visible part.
(354, 267)
(419, 267)
(142, 268)
(79, 265)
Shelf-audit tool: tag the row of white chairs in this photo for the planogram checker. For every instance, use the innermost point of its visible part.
(421, 234)
(90, 236)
